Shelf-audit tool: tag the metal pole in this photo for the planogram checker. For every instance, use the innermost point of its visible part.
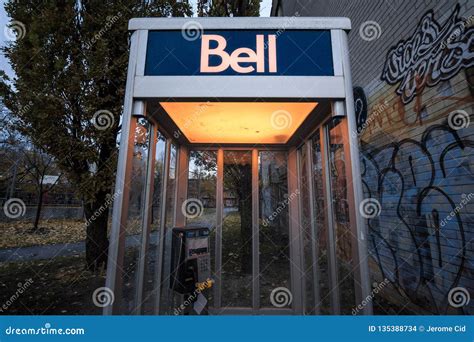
(361, 227)
(314, 243)
(119, 213)
(146, 218)
(332, 257)
(297, 273)
(255, 233)
(219, 218)
(162, 228)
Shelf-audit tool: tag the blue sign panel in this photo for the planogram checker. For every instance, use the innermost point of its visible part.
(237, 52)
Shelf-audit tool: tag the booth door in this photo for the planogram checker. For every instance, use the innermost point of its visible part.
(244, 198)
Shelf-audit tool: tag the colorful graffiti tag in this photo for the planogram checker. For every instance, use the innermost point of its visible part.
(434, 53)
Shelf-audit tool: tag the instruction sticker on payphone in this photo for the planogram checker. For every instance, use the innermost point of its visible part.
(190, 258)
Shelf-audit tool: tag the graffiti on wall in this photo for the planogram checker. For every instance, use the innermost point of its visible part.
(420, 184)
(424, 181)
(360, 108)
(432, 54)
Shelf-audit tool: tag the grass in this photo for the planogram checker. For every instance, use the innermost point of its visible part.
(60, 286)
(18, 233)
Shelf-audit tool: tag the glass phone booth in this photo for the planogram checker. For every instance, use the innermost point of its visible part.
(239, 159)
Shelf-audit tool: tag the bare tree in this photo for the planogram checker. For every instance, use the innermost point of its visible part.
(38, 165)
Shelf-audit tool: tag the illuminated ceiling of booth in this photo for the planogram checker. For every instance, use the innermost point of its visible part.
(238, 122)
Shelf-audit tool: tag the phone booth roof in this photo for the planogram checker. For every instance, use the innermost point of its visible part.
(234, 75)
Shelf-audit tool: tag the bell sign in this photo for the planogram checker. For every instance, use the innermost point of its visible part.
(240, 53)
(238, 56)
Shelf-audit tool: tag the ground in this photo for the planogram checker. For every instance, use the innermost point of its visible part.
(53, 258)
(59, 286)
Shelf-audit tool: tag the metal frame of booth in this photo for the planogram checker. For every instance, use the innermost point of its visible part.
(335, 91)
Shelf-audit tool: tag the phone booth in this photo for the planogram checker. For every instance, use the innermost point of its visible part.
(238, 178)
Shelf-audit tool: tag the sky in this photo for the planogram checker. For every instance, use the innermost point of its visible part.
(265, 8)
(3, 22)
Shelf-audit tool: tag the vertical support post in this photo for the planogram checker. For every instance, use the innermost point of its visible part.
(353, 160)
(181, 185)
(336, 53)
(120, 209)
(146, 219)
(300, 237)
(219, 217)
(297, 274)
(313, 227)
(168, 229)
(161, 229)
(332, 258)
(255, 233)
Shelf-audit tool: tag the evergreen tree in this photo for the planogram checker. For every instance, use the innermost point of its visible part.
(229, 8)
(70, 60)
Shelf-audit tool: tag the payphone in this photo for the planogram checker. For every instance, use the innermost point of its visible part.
(190, 258)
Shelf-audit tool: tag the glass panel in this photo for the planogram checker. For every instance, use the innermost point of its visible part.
(202, 182)
(274, 230)
(151, 268)
(306, 226)
(337, 170)
(136, 205)
(168, 300)
(321, 229)
(237, 230)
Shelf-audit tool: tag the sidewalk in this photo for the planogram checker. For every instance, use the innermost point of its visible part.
(51, 251)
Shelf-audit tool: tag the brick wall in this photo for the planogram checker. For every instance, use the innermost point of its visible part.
(417, 142)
